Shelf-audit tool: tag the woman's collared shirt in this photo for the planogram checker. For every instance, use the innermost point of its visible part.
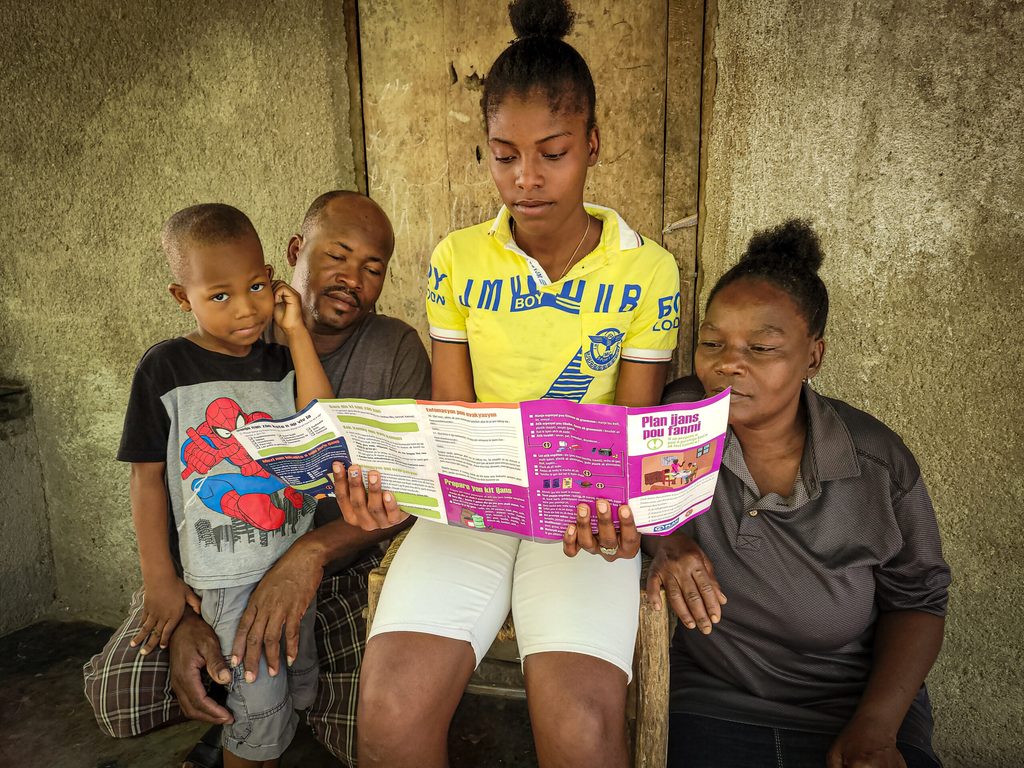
(806, 577)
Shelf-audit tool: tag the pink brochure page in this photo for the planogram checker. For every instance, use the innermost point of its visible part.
(574, 453)
(482, 467)
(675, 453)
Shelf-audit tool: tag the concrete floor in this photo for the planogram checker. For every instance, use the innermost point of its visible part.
(45, 721)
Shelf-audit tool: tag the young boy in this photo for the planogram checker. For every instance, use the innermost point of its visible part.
(232, 520)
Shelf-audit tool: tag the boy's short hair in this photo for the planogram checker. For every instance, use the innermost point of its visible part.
(204, 224)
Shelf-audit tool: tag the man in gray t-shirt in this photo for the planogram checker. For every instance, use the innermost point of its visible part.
(339, 259)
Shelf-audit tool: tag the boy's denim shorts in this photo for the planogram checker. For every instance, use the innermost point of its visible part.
(264, 710)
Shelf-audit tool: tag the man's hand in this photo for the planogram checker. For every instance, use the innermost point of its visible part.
(609, 543)
(164, 602)
(193, 647)
(277, 606)
(688, 578)
(865, 744)
(370, 509)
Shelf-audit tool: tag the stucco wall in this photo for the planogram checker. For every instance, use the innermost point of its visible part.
(26, 562)
(897, 128)
(115, 115)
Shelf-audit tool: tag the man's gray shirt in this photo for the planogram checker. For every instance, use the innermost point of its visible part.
(382, 359)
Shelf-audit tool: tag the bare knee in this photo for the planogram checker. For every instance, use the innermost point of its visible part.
(569, 695)
(607, 747)
(409, 686)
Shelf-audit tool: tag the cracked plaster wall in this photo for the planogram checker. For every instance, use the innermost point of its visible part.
(897, 128)
(26, 561)
(116, 114)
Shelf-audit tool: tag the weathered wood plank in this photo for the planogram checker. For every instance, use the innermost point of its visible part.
(682, 160)
(404, 76)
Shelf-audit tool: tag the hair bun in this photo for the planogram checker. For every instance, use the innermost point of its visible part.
(541, 18)
(794, 244)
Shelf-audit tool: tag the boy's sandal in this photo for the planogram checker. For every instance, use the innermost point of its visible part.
(207, 751)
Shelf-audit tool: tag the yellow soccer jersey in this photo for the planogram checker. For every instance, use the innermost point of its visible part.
(530, 338)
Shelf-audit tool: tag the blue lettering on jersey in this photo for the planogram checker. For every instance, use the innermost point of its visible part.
(490, 296)
(668, 314)
(630, 297)
(434, 278)
(464, 299)
(667, 305)
(437, 276)
(604, 348)
(567, 300)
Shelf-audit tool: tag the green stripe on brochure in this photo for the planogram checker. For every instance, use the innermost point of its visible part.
(297, 448)
(430, 514)
(407, 426)
(308, 486)
(412, 498)
(393, 401)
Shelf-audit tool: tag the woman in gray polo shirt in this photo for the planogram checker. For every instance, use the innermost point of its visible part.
(821, 534)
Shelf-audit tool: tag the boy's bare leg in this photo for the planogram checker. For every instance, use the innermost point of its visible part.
(577, 710)
(409, 687)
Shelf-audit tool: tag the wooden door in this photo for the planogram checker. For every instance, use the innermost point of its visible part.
(422, 63)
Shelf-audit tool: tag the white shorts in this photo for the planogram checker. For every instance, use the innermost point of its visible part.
(457, 583)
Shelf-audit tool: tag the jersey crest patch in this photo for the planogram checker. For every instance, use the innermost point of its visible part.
(604, 349)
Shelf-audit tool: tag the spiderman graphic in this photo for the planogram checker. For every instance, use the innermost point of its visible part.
(245, 496)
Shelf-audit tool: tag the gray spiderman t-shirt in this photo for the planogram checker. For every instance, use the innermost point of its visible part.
(233, 520)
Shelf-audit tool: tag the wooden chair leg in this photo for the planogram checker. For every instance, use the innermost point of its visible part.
(650, 746)
(375, 581)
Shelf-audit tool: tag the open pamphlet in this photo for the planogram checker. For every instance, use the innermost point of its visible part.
(514, 468)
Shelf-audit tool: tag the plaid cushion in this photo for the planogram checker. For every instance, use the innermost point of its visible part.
(340, 639)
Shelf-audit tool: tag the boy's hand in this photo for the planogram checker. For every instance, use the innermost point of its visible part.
(287, 308)
(162, 607)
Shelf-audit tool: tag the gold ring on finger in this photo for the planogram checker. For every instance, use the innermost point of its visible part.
(608, 551)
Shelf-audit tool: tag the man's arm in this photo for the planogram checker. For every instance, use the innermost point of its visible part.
(278, 603)
(410, 375)
(194, 647)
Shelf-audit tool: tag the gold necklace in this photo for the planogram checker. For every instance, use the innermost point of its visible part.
(577, 249)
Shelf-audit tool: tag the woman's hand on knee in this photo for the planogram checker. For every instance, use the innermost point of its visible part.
(681, 568)
(611, 544)
(865, 744)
